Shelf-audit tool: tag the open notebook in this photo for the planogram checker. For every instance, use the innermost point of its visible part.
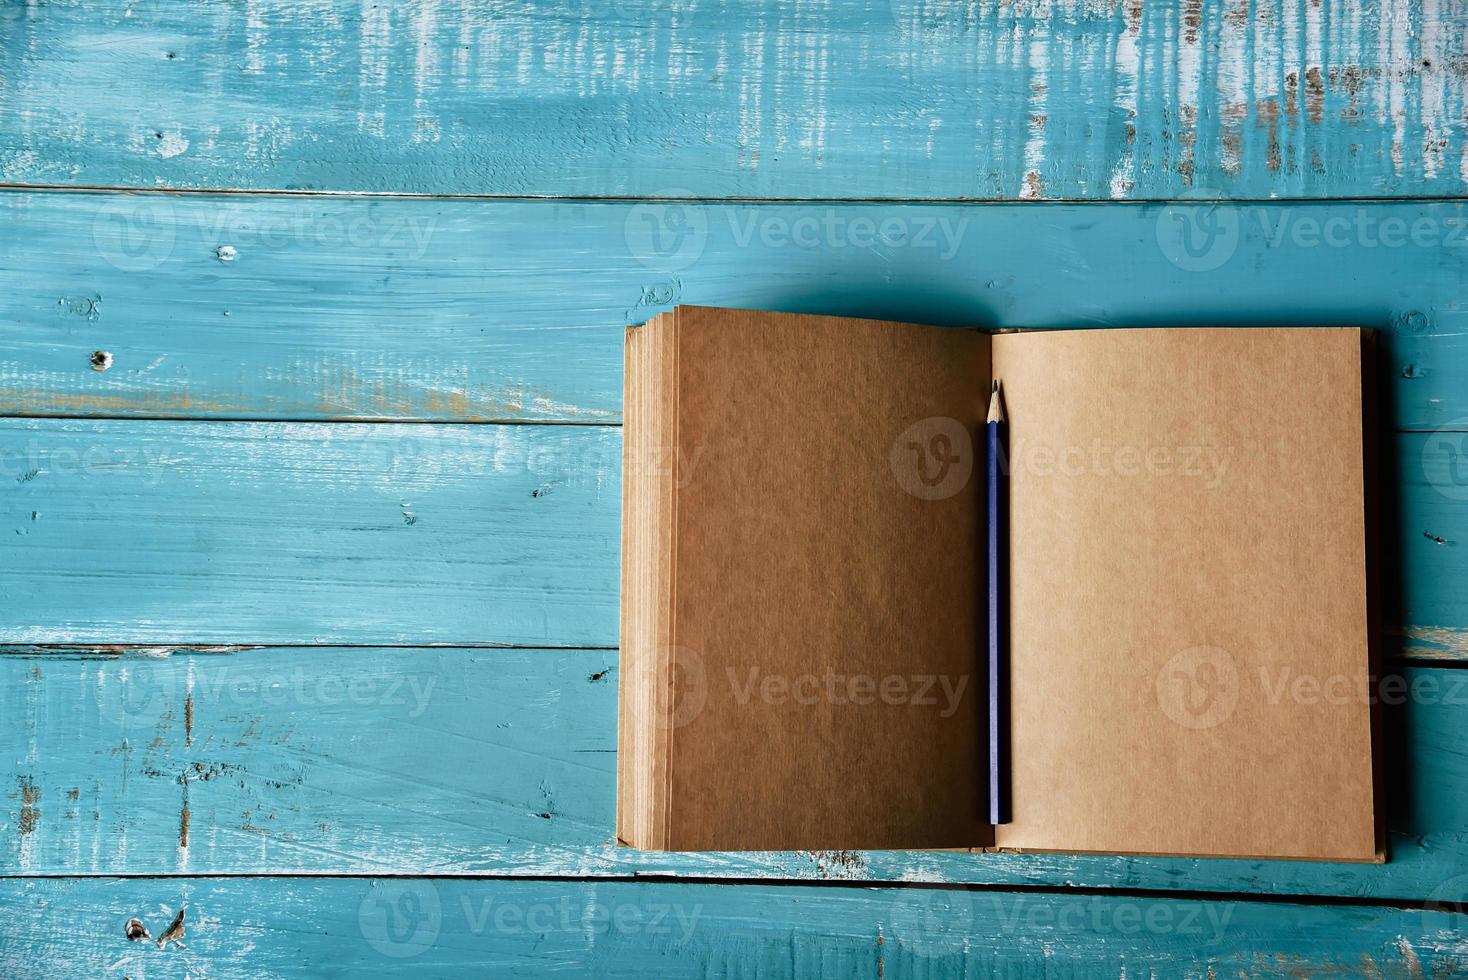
(802, 605)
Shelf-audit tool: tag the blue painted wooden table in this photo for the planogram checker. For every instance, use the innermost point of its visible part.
(310, 392)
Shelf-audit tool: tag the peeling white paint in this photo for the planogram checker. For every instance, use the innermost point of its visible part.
(171, 145)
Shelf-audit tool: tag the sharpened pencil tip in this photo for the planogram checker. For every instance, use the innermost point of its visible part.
(996, 404)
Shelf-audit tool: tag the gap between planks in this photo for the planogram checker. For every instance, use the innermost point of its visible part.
(418, 420)
(701, 199)
(1160, 894)
(105, 651)
(317, 420)
(167, 649)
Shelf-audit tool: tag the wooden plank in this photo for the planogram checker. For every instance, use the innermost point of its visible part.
(502, 762)
(258, 532)
(341, 308)
(384, 927)
(298, 533)
(752, 98)
(324, 309)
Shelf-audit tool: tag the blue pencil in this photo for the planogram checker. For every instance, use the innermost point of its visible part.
(998, 679)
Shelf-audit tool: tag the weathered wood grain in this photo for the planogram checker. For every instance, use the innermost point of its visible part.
(298, 533)
(317, 309)
(502, 762)
(340, 308)
(762, 98)
(386, 927)
(374, 760)
(249, 532)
